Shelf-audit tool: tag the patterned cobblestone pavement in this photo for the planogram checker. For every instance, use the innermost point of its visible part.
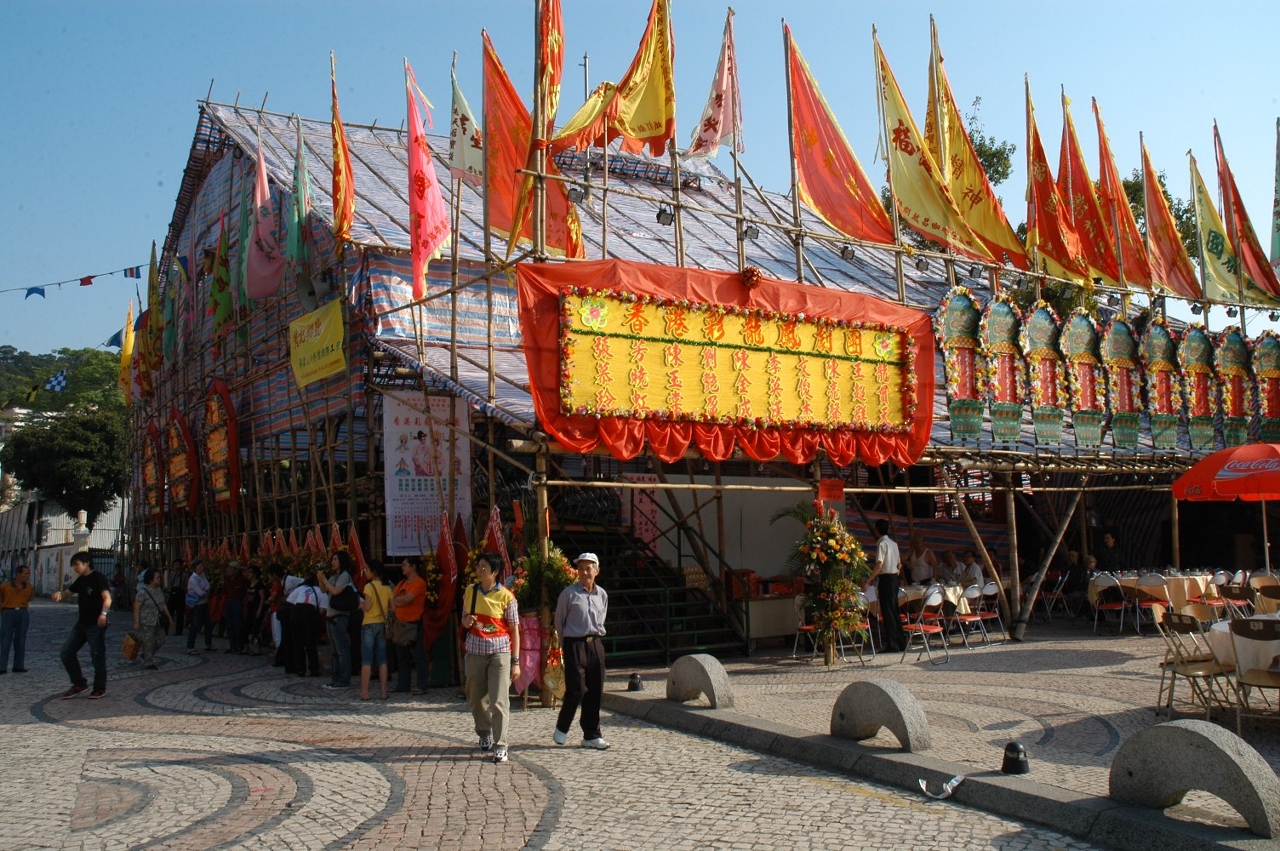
(1070, 697)
(220, 751)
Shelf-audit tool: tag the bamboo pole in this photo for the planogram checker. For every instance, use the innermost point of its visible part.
(1015, 581)
(791, 141)
(1020, 626)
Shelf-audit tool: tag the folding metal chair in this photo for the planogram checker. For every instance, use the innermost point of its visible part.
(926, 623)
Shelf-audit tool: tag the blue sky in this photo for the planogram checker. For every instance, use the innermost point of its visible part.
(99, 100)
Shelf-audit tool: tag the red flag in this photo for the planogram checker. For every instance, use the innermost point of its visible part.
(1049, 231)
(461, 545)
(497, 537)
(831, 180)
(428, 215)
(446, 556)
(86, 281)
(245, 555)
(353, 545)
(1170, 266)
(507, 131)
(1076, 190)
(1253, 260)
(186, 551)
(344, 188)
(267, 545)
(294, 549)
(1117, 215)
(335, 537)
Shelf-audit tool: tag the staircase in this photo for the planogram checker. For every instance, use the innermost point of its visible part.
(653, 617)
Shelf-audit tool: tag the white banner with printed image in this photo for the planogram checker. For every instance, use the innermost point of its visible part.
(417, 470)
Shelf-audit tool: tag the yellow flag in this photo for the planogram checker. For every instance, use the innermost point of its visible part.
(1218, 259)
(126, 354)
(922, 202)
(960, 170)
(642, 108)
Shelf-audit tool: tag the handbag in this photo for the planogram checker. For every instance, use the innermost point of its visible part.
(401, 633)
(346, 600)
(131, 646)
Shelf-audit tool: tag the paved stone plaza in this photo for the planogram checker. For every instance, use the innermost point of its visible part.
(220, 751)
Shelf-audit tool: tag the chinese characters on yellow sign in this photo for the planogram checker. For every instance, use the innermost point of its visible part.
(646, 357)
(315, 344)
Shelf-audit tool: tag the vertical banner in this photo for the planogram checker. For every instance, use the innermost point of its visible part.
(415, 503)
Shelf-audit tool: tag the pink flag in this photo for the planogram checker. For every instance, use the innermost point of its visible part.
(428, 215)
(721, 122)
(266, 260)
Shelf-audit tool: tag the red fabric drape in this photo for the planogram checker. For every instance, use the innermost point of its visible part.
(540, 286)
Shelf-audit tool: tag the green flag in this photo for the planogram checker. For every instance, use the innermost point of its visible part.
(220, 305)
(297, 260)
(1275, 213)
(240, 273)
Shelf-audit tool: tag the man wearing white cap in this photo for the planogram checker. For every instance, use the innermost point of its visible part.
(580, 614)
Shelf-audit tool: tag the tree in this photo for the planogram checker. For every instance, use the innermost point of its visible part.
(91, 380)
(1183, 215)
(80, 459)
(996, 156)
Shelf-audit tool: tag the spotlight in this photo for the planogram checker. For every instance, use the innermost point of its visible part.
(1020, 280)
(576, 194)
(975, 271)
(922, 264)
(1197, 309)
(1097, 282)
(1231, 312)
(750, 232)
(1113, 300)
(1273, 316)
(1004, 255)
(665, 215)
(1157, 304)
(847, 252)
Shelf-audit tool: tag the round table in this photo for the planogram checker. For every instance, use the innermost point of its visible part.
(1263, 655)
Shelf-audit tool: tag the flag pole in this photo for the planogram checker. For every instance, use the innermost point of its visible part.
(453, 266)
(733, 151)
(489, 264)
(1115, 216)
(1233, 227)
(1195, 210)
(1032, 225)
(888, 170)
(787, 51)
(538, 137)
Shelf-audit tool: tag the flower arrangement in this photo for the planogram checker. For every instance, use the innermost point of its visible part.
(952, 340)
(538, 581)
(1039, 350)
(1231, 360)
(1081, 350)
(431, 574)
(1001, 340)
(1117, 362)
(1157, 354)
(832, 559)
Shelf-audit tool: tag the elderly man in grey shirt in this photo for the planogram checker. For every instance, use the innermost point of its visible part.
(580, 615)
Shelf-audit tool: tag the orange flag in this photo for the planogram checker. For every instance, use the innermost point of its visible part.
(830, 179)
(961, 171)
(642, 107)
(922, 202)
(344, 188)
(1117, 215)
(1253, 260)
(1170, 266)
(507, 130)
(1075, 187)
(1050, 237)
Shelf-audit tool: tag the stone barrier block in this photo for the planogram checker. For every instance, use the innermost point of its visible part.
(867, 705)
(1158, 766)
(696, 675)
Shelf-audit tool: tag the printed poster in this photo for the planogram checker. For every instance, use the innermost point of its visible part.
(417, 470)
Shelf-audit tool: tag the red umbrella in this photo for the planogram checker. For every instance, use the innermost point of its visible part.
(1250, 473)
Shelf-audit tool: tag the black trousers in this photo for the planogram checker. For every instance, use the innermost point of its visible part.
(305, 620)
(890, 624)
(583, 685)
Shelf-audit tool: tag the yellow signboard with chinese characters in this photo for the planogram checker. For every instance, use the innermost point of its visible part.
(315, 344)
(657, 358)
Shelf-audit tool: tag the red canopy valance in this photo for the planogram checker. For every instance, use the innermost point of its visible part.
(541, 286)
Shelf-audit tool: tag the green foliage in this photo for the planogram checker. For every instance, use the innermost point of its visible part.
(79, 459)
(91, 380)
(538, 581)
(996, 156)
(1183, 214)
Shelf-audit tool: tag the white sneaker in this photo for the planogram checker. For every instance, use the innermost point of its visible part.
(595, 744)
(559, 738)
(499, 754)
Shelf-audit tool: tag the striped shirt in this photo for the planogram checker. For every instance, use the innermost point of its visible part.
(498, 618)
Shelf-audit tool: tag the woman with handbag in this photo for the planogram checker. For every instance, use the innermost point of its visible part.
(376, 605)
(151, 617)
(405, 627)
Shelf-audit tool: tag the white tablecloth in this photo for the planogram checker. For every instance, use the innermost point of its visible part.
(1259, 654)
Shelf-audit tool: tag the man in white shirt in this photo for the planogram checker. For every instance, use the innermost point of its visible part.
(972, 574)
(888, 580)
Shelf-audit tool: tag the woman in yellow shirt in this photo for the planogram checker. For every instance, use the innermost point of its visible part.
(376, 606)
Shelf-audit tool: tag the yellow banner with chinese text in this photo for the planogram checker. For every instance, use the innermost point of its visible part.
(315, 344)
(644, 357)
